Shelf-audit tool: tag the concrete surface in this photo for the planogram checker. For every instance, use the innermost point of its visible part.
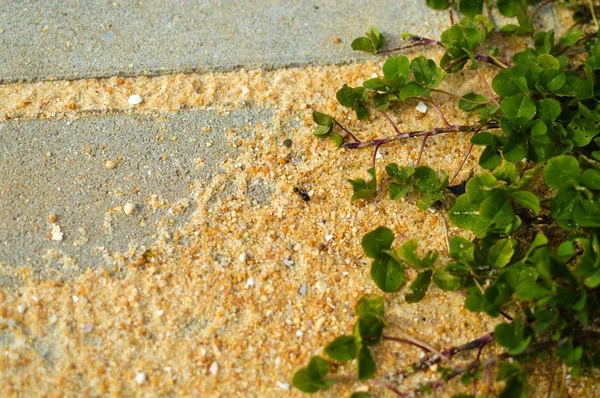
(81, 38)
(46, 170)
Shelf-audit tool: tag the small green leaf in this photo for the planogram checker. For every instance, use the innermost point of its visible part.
(562, 172)
(322, 119)
(418, 287)
(504, 335)
(317, 367)
(590, 178)
(502, 252)
(408, 253)
(426, 179)
(470, 8)
(342, 349)
(370, 306)
(437, 4)
(530, 290)
(366, 365)
(377, 241)
(411, 90)
(303, 382)
(397, 190)
(463, 213)
(570, 37)
(381, 101)
(549, 109)
(426, 72)
(467, 106)
(360, 394)
(345, 96)
(387, 273)
(446, 281)
(462, 250)
(528, 200)
(518, 106)
(362, 44)
(397, 68)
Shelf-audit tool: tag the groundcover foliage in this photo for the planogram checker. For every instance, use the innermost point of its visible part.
(533, 256)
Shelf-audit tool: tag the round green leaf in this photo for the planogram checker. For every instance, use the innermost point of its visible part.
(446, 281)
(303, 382)
(502, 252)
(396, 68)
(345, 96)
(342, 349)
(517, 106)
(377, 240)
(463, 213)
(387, 273)
(562, 172)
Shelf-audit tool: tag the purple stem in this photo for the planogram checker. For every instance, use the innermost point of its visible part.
(375, 155)
(503, 46)
(421, 149)
(385, 115)
(347, 131)
(416, 41)
(435, 131)
(450, 13)
(462, 163)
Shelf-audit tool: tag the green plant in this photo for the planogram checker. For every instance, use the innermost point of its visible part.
(539, 120)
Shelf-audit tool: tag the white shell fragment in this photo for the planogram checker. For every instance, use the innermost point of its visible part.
(135, 99)
(56, 233)
(214, 368)
(421, 107)
(140, 378)
(129, 208)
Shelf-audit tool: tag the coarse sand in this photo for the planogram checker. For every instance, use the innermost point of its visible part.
(241, 296)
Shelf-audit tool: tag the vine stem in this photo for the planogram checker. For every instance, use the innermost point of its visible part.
(417, 343)
(450, 12)
(487, 86)
(411, 134)
(416, 41)
(347, 131)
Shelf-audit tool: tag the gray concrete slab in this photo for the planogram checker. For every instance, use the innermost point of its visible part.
(81, 38)
(47, 170)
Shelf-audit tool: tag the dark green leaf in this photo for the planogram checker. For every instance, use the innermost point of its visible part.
(437, 4)
(528, 200)
(570, 37)
(502, 252)
(590, 178)
(370, 306)
(418, 287)
(462, 250)
(366, 365)
(549, 109)
(470, 7)
(408, 253)
(342, 349)
(562, 172)
(345, 96)
(463, 213)
(387, 273)
(446, 281)
(303, 382)
(397, 190)
(377, 240)
(518, 106)
(412, 89)
(396, 68)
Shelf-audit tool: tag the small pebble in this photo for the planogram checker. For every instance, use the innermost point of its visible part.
(299, 333)
(421, 107)
(21, 309)
(88, 328)
(288, 262)
(250, 282)
(140, 378)
(135, 99)
(303, 288)
(284, 386)
(287, 143)
(129, 208)
(214, 368)
(321, 286)
(56, 233)
(328, 237)
(110, 164)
